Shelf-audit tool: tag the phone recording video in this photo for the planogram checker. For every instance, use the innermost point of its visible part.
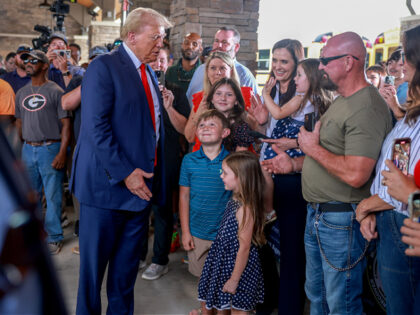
(161, 77)
(309, 122)
(414, 206)
(401, 154)
(389, 79)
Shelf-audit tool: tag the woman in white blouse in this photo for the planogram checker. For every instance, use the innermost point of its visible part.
(381, 216)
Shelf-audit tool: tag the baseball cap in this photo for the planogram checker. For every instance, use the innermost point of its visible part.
(36, 54)
(60, 36)
(96, 51)
(23, 48)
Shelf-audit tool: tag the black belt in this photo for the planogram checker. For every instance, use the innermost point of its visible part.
(333, 207)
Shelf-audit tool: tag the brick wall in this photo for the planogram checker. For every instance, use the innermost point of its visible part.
(161, 6)
(102, 33)
(18, 17)
(206, 16)
(408, 22)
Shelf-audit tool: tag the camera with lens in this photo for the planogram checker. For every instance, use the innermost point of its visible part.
(43, 40)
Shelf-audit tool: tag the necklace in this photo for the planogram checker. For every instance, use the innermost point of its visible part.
(37, 91)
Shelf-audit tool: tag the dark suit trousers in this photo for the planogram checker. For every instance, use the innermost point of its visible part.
(113, 238)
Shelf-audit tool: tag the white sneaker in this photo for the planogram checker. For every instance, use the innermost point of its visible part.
(142, 264)
(154, 271)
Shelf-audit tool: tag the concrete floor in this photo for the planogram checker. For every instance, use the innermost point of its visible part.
(174, 293)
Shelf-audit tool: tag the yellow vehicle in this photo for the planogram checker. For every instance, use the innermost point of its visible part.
(313, 50)
(385, 44)
(263, 68)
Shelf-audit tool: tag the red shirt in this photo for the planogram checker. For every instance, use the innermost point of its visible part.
(198, 97)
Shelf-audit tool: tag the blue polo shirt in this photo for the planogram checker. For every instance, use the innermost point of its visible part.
(15, 81)
(208, 197)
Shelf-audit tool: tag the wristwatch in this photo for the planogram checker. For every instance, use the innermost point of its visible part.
(66, 74)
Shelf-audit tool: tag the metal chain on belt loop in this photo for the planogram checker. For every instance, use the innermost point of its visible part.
(325, 257)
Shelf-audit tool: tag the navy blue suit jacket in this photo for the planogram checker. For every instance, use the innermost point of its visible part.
(116, 134)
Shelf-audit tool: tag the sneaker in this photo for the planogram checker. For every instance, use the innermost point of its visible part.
(154, 271)
(76, 228)
(185, 259)
(55, 247)
(76, 250)
(270, 217)
(64, 221)
(142, 264)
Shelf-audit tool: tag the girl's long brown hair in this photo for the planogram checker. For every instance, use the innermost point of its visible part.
(411, 46)
(318, 96)
(247, 169)
(238, 110)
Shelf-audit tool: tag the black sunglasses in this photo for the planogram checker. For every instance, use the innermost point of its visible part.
(327, 60)
(403, 57)
(32, 61)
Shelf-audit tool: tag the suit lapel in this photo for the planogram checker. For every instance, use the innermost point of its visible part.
(130, 70)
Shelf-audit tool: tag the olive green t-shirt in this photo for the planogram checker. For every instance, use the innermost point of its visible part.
(354, 125)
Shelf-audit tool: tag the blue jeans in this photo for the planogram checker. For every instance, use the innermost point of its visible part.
(400, 274)
(37, 160)
(333, 291)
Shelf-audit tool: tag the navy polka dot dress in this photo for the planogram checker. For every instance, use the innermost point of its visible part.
(219, 267)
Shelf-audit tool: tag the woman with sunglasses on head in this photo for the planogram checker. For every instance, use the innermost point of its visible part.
(381, 215)
(289, 204)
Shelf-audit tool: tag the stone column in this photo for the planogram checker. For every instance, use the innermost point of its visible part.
(206, 16)
(82, 41)
(161, 6)
(102, 33)
(407, 23)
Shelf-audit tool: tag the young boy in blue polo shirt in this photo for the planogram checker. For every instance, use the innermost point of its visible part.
(202, 195)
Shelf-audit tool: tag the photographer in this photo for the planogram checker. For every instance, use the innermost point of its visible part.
(395, 94)
(18, 78)
(61, 70)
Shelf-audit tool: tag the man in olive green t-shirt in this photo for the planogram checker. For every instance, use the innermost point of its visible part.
(337, 171)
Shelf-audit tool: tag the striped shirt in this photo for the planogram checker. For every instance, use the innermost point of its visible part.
(208, 197)
(401, 130)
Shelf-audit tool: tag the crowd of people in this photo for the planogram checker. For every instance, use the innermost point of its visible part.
(280, 196)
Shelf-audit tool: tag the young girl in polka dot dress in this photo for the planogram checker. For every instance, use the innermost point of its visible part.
(232, 279)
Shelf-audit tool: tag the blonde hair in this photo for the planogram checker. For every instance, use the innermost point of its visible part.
(227, 59)
(246, 167)
(141, 17)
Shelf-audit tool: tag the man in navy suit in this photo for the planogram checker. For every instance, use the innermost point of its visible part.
(118, 159)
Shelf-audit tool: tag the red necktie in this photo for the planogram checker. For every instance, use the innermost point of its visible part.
(149, 98)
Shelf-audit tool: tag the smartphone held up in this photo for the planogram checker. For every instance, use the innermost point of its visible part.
(401, 154)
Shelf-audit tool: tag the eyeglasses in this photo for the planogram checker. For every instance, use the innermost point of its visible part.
(158, 36)
(327, 60)
(32, 61)
(403, 57)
